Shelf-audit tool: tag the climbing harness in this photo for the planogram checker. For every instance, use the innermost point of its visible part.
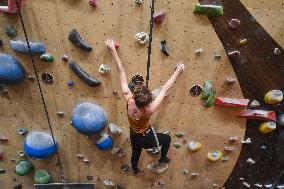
(40, 90)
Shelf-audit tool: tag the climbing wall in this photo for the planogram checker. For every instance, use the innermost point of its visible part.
(51, 21)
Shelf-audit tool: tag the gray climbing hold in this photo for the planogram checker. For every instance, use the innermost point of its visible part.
(76, 39)
(22, 47)
(108, 183)
(22, 131)
(60, 113)
(10, 31)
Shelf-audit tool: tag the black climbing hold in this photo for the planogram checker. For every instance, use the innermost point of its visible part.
(83, 75)
(2, 171)
(1, 42)
(90, 178)
(120, 187)
(10, 31)
(195, 90)
(76, 39)
(165, 48)
(125, 168)
(47, 78)
(18, 186)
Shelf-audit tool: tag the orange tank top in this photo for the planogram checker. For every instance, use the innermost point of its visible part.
(138, 126)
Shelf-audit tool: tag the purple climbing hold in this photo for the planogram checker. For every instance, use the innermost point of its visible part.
(159, 17)
(70, 83)
(22, 47)
(93, 3)
(11, 70)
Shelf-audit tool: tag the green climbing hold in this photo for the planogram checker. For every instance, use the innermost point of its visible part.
(208, 94)
(47, 58)
(209, 10)
(42, 177)
(24, 167)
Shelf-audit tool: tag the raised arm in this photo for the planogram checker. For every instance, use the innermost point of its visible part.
(161, 96)
(123, 80)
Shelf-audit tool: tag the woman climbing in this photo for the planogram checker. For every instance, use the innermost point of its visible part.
(140, 107)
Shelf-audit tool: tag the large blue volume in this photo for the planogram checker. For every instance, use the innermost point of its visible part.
(89, 119)
(11, 70)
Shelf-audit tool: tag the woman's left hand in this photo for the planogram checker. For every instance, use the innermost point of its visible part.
(110, 44)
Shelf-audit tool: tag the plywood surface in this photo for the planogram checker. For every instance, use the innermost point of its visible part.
(50, 22)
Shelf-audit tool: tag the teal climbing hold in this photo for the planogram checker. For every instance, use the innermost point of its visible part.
(47, 58)
(24, 167)
(10, 31)
(42, 177)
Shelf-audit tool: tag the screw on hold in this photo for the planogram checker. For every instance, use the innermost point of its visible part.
(31, 78)
(64, 58)
(61, 113)
(142, 37)
(22, 131)
(93, 3)
(165, 48)
(86, 160)
(70, 83)
(139, 2)
(195, 90)
(21, 153)
(125, 168)
(218, 56)
(234, 23)
(277, 51)
(234, 54)
(47, 78)
(230, 81)
(90, 178)
(79, 156)
(198, 51)
(114, 92)
(1, 42)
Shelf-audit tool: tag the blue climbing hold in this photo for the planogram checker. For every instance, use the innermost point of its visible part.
(11, 70)
(39, 145)
(105, 142)
(22, 47)
(89, 118)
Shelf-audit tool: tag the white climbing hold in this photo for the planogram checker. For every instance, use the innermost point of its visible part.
(277, 51)
(230, 81)
(186, 171)
(250, 161)
(139, 2)
(60, 113)
(258, 185)
(229, 148)
(280, 186)
(247, 141)
(108, 183)
(254, 104)
(114, 129)
(142, 37)
(268, 185)
(214, 185)
(233, 139)
(198, 51)
(22, 131)
(194, 146)
(194, 174)
(85, 160)
(241, 178)
(246, 184)
(79, 156)
(104, 68)
(21, 153)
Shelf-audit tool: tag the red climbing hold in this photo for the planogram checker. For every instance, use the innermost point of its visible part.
(159, 17)
(93, 3)
(116, 45)
(11, 7)
(234, 102)
(259, 115)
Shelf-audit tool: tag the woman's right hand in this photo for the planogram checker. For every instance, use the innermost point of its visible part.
(179, 68)
(110, 44)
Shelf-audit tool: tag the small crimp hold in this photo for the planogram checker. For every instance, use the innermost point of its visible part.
(229, 148)
(194, 174)
(79, 156)
(233, 139)
(234, 54)
(177, 145)
(10, 31)
(125, 168)
(21, 153)
(3, 138)
(198, 51)
(234, 23)
(22, 131)
(60, 113)
(179, 134)
(277, 51)
(225, 158)
(218, 56)
(108, 183)
(47, 58)
(85, 160)
(246, 184)
(165, 48)
(76, 39)
(254, 104)
(142, 37)
(159, 183)
(159, 17)
(104, 68)
(247, 141)
(114, 92)
(250, 161)
(208, 10)
(93, 3)
(64, 58)
(114, 129)
(230, 81)
(47, 78)
(258, 185)
(139, 2)
(186, 171)
(2, 171)
(31, 78)
(70, 83)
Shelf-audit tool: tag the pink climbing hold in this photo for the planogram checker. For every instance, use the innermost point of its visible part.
(11, 7)
(159, 17)
(259, 115)
(93, 3)
(233, 102)
(1, 154)
(116, 45)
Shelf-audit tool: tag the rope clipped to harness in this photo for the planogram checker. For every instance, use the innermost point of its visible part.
(40, 89)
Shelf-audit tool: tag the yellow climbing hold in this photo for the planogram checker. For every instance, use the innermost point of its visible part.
(267, 127)
(214, 155)
(274, 96)
(194, 146)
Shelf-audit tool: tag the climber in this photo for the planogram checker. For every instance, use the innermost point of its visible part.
(140, 107)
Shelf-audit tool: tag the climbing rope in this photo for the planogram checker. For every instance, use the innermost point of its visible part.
(150, 42)
(40, 90)
(158, 148)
